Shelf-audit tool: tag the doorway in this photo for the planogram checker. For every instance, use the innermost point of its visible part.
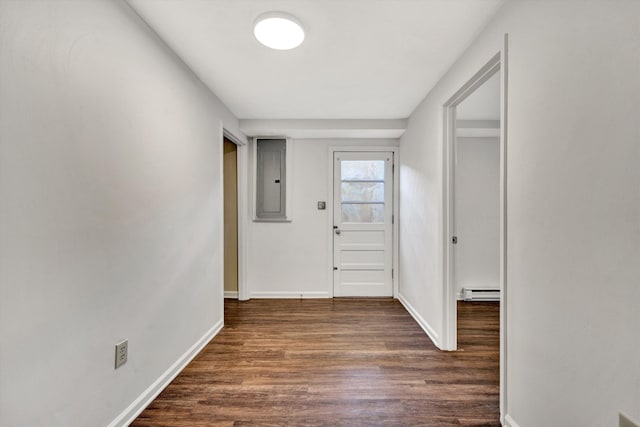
(476, 195)
(476, 221)
(474, 151)
(496, 66)
(230, 189)
(363, 207)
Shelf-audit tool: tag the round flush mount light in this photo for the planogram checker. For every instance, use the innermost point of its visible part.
(278, 30)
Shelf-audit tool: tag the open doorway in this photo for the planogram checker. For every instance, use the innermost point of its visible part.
(474, 186)
(475, 133)
(476, 226)
(230, 185)
(476, 217)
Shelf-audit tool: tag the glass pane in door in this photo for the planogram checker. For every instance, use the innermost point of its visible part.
(363, 213)
(362, 191)
(362, 170)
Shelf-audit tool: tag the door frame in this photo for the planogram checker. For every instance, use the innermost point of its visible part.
(497, 64)
(243, 216)
(395, 150)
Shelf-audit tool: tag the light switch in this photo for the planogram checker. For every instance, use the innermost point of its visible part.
(322, 206)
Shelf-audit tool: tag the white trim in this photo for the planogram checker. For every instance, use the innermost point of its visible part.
(449, 319)
(431, 333)
(231, 137)
(220, 230)
(509, 422)
(396, 208)
(290, 295)
(288, 161)
(243, 221)
(231, 294)
(137, 406)
(504, 114)
(396, 224)
(329, 207)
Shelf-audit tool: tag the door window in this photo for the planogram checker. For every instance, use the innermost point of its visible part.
(362, 191)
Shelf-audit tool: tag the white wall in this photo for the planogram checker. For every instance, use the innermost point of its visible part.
(573, 207)
(483, 103)
(477, 213)
(110, 214)
(288, 259)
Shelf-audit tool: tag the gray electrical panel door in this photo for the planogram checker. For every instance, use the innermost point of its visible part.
(271, 178)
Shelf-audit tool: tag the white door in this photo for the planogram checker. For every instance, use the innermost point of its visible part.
(362, 224)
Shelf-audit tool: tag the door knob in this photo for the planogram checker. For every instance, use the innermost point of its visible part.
(338, 232)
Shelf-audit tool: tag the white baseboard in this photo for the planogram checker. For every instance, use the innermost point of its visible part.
(147, 396)
(294, 295)
(420, 320)
(231, 294)
(508, 421)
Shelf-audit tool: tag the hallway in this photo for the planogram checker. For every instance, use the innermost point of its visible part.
(335, 362)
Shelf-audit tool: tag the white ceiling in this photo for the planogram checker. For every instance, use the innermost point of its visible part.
(362, 59)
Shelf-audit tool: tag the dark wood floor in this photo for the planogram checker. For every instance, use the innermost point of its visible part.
(349, 362)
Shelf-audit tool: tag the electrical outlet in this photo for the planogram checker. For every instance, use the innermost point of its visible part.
(122, 348)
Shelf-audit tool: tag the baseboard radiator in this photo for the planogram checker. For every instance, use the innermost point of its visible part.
(476, 294)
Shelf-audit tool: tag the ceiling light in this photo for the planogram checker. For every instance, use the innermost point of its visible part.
(278, 31)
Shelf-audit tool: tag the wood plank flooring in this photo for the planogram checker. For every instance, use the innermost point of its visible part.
(340, 362)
